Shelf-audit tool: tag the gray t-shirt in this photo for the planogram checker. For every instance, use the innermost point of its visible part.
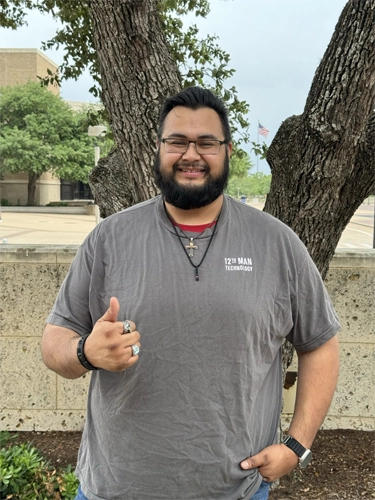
(206, 391)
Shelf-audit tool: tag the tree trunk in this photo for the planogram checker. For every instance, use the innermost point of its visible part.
(31, 188)
(137, 74)
(323, 162)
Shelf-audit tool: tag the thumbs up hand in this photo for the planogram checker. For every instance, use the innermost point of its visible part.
(107, 347)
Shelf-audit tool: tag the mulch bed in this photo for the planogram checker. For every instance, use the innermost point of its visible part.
(343, 467)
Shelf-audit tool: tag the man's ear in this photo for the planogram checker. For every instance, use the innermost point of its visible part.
(230, 148)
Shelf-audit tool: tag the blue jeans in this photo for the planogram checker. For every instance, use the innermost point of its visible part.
(261, 494)
(80, 495)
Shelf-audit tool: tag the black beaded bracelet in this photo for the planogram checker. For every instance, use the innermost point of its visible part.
(81, 355)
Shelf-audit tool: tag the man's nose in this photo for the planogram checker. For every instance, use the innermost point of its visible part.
(191, 152)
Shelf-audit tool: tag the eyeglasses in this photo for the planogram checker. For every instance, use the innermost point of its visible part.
(202, 146)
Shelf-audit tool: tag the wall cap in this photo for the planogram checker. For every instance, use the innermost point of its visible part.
(51, 254)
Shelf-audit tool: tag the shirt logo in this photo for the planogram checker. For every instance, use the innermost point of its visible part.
(238, 264)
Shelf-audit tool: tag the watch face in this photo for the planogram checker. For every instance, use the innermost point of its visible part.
(305, 459)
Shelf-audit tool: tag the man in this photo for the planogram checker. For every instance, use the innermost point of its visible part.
(212, 287)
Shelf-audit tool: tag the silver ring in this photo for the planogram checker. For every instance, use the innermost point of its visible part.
(127, 326)
(135, 349)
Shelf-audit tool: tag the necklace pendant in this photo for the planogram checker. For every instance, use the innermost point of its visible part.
(191, 247)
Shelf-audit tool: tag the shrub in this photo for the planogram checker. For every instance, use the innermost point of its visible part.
(5, 437)
(57, 204)
(25, 475)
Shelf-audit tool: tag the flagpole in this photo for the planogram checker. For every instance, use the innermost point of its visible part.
(258, 143)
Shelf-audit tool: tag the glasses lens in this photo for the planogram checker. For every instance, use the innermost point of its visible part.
(208, 147)
(176, 145)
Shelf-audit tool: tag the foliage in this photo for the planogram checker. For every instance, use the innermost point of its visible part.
(69, 484)
(260, 149)
(40, 133)
(12, 14)
(200, 60)
(57, 204)
(18, 468)
(240, 165)
(253, 185)
(6, 436)
(25, 475)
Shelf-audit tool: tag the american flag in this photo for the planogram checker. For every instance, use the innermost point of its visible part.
(262, 130)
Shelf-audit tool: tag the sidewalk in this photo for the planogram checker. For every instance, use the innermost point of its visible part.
(51, 229)
(59, 229)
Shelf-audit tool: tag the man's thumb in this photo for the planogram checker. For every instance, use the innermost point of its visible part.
(112, 313)
(251, 463)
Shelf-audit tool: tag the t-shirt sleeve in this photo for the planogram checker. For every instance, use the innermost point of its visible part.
(71, 309)
(314, 318)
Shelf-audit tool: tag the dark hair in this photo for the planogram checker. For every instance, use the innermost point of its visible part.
(195, 98)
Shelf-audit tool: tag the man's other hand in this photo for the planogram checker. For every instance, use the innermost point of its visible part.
(272, 462)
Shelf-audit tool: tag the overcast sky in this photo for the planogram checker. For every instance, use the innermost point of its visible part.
(275, 47)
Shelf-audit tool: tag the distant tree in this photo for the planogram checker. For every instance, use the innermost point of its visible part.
(240, 165)
(40, 133)
(260, 184)
(257, 184)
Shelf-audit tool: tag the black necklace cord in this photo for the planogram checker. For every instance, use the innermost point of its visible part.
(196, 267)
(195, 237)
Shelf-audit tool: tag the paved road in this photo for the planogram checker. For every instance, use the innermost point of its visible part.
(58, 229)
(359, 232)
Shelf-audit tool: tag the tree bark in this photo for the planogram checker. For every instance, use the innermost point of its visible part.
(137, 74)
(323, 162)
(111, 184)
(31, 188)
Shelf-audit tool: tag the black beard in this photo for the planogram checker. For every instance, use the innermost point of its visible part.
(188, 197)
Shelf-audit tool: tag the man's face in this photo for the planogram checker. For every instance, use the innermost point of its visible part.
(191, 180)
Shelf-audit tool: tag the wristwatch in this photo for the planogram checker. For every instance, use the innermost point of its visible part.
(304, 454)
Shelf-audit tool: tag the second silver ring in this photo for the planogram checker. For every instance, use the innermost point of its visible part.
(135, 349)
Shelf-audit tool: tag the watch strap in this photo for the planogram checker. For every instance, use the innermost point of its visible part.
(294, 445)
(304, 454)
(81, 354)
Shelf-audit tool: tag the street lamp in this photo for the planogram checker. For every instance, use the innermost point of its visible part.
(97, 131)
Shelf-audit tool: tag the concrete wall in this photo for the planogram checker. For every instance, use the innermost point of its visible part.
(13, 188)
(34, 398)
